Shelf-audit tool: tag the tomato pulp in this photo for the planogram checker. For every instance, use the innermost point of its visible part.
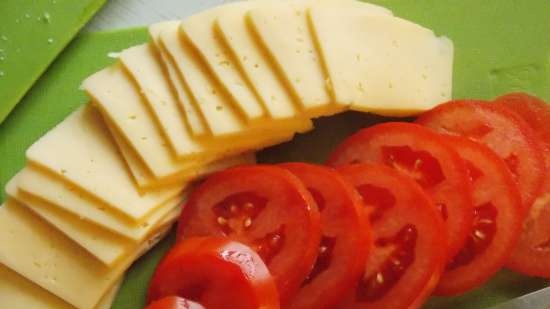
(425, 157)
(409, 245)
(174, 302)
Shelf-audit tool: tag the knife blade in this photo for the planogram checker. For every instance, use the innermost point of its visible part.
(536, 300)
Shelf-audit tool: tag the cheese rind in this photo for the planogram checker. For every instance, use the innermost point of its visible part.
(16, 292)
(193, 117)
(382, 64)
(81, 151)
(199, 30)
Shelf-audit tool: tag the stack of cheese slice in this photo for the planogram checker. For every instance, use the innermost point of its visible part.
(104, 185)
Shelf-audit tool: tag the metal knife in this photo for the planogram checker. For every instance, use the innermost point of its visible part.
(536, 300)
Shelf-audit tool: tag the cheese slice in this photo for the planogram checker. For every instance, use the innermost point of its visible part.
(194, 120)
(225, 125)
(104, 245)
(144, 65)
(283, 31)
(120, 102)
(253, 60)
(16, 292)
(199, 30)
(80, 151)
(382, 64)
(47, 258)
(53, 190)
(220, 116)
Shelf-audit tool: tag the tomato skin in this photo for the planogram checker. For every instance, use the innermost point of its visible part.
(216, 272)
(499, 216)
(411, 207)
(502, 130)
(288, 219)
(526, 258)
(344, 222)
(174, 302)
(442, 172)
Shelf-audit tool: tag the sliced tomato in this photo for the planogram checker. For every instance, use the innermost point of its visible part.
(532, 255)
(174, 302)
(265, 207)
(345, 240)
(497, 220)
(409, 245)
(503, 131)
(216, 272)
(532, 109)
(426, 157)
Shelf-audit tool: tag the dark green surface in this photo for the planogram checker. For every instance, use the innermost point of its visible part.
(500, 46)
(32, 34)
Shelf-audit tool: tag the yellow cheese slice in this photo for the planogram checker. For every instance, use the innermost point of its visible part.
(253, 60)
(382, 64)
(16, 292)
(225, 125)
(194, 120)
(283, 31)
(53, 190)
(120, 102)
(80, 151)
(144, 65)
(199, 29)
(47, 258)
(104, 245)
(218, 112)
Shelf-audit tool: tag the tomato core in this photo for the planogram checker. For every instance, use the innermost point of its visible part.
(401, 246)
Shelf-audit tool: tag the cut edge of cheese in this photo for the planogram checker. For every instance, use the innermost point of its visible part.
(144, 66)
(53, 262)
(199, 30)
(107, 247)
(48, 188)
(16, 292)
(81, 151)
(194, 119)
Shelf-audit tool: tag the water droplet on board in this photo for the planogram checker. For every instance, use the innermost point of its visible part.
(50, 41)
(17, 20)
(46, 17)
(27, 15)
(2, 57)
(2, 73)
(3, 37)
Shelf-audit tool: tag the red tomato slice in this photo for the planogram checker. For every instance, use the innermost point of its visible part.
(497, 220)
(174, 302)
(503, 131)
(532, 109)
(409, 245)
(532, 255)
(345, 237)
(216, 272)
(426, 157)
(265, 207)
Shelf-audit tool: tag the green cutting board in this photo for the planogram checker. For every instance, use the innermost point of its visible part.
(500, 46)
(32, 34)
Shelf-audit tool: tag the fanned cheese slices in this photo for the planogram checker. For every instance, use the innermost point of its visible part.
(203, 95)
